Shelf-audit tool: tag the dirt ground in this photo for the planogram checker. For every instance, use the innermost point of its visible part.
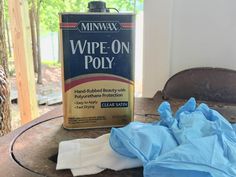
(51, 83)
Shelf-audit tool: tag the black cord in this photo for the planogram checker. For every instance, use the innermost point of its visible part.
(114, 9)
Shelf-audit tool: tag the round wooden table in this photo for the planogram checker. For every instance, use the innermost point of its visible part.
(31, 150)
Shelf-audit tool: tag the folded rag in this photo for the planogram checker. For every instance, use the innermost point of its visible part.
(196, 142)
(91, 156)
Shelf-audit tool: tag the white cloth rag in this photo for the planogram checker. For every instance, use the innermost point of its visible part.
(91, 156)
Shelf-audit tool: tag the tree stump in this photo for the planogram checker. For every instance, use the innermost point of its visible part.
(5, 118)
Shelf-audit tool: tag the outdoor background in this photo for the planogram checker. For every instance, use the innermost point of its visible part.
(44, 24)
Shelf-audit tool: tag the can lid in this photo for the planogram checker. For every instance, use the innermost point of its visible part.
(97, 6)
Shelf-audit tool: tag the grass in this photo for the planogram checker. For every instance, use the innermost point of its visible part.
(51, 63)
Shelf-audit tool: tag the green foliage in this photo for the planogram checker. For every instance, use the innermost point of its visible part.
(49, 14)
(51, 8)
(6, 14)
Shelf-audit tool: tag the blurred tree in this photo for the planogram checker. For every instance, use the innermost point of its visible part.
(5, 118)
(34, 14)
(6, 17)
(37, 20)
(33, 36)
(3, 48)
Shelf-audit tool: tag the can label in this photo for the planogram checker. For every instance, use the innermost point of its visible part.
(97, 52)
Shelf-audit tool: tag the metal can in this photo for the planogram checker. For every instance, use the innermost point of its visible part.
(97, 54)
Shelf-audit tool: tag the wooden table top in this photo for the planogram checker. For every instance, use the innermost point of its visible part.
(30, 151)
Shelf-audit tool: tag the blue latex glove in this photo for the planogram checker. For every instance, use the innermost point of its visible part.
(202, 143)
(234, 127)
(145, 141)
(187, 123)
(206, 141)
(202, 157)
(190, 122)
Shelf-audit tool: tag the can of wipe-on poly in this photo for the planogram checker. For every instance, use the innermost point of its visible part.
(97, 54)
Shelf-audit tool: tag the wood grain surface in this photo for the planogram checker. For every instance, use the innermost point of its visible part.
(31, 150)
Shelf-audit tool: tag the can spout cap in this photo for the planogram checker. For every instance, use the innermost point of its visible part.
(97, 6)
